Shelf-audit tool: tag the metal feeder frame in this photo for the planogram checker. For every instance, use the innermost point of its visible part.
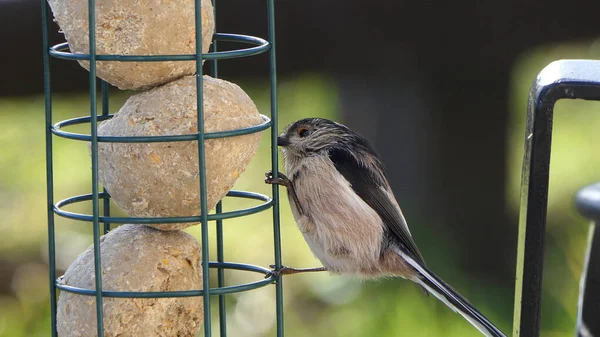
(61, 51)
(564, 79)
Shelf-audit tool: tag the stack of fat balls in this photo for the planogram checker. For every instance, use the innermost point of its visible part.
(153, 179)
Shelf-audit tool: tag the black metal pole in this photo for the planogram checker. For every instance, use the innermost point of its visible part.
(588, 306)
(565, 79)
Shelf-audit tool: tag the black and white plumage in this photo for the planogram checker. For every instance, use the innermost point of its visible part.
(343, 204)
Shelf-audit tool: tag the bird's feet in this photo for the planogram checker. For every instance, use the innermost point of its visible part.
(284, 270)
(280, 180)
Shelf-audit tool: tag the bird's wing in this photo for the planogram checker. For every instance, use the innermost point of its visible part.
(370, 183)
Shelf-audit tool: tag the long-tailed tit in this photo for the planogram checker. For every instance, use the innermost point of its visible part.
(348, 215)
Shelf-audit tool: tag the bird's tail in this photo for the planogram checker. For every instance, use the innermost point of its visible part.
(452, 299)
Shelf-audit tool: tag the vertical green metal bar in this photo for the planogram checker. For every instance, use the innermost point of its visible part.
(202, 169)
(94, 134)
(106, 201)
(214, 65)
(221, 274)
(49, 169)
(274, 166)
(214, 69)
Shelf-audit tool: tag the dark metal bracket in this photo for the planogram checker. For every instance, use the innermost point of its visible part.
(588, 325)
(565, 79)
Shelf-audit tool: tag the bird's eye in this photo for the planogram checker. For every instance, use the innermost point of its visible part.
(303, 132)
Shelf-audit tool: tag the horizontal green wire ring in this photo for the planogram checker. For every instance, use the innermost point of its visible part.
(184, 293)
(61, 51)
(268, 203)
(56, 129)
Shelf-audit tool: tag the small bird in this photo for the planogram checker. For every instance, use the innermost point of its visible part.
(343, 205)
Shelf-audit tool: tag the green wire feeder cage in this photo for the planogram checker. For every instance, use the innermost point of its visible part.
(95, 295)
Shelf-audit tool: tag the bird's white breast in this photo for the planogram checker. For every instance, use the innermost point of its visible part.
(343, 232)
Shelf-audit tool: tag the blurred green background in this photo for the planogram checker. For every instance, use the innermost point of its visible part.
(315, 304)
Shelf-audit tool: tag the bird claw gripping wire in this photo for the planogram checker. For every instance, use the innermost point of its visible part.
(280, 180)
(284, 270)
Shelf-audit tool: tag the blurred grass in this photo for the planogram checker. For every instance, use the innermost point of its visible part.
(315, 305)
(312, 302)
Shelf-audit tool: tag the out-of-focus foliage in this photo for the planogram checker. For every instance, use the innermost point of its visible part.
(315, 304)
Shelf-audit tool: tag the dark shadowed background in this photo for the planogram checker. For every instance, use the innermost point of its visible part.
(439, 88)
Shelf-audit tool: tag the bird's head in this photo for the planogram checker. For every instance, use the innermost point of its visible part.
(312, 136)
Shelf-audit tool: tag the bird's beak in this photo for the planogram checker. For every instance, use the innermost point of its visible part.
(282, 141)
